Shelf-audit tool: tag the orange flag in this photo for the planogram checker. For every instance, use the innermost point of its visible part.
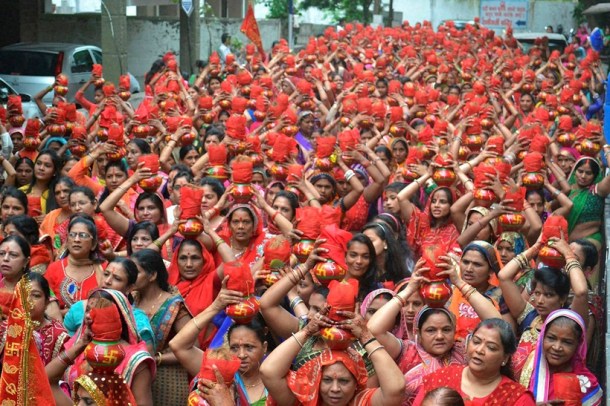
(250, 29)
(23, 381)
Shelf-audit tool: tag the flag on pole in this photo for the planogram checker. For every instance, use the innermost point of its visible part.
(250, 29)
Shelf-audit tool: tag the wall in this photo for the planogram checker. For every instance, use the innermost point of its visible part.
(148, 37)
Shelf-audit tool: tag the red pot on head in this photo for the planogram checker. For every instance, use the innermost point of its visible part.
(484, 197)
(242, 193)
(259, 115)
(527, 87)
(474, 142)
(239, 147)
(487, 123)
(141, 130)
(31, 143)
(195, 399)
(78, 149)
(102, 134)
(589, 148)
(533, 180)
(444, 177)
(278, 172)
(511, 221)
(435, 294)
(207, 117)
(551, 257)
(218, 172)
(104, 355)
(118, 155)
(188, 138)
(245, 91)
(99, 82)
(225, 104)
(566, 139)
(463, 152)
(337, 338)
(327, 271)
(324, 164)
(245, 311)
(257, 159)
(270, 279)
(16, 120)
(290, 130)
(125, 95)
(56, 130)
(60, 90)
(345, 121)
(379, 125)
(151, 184)
(366, 124)
(397, 131)
(561, 109)
(302, 249)
(191, 228)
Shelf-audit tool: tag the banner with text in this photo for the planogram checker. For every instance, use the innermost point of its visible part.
(498, 14)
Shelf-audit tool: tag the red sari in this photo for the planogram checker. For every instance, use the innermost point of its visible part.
(355, 218)
(508, 392)
(65, 289)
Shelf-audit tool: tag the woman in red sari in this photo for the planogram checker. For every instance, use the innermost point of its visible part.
(55, 223)
(433, 225)
(487, 378)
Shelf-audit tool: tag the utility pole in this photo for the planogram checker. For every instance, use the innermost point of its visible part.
(290, 24)
(114, 38)
(190, 36)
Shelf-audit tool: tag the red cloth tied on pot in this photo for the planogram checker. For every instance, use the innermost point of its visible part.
(227, 367)
(108, 116)
(414, 156)
(394, 86)
(172, 123)
(217, 154)
(13, 105)
(236, 127)
(308, 222)
(533, 162)
(190, 202)
(241, 170)
(283, 148)
(277, 248)
(305, 88)
(325, 146)
(79, 132)
(554, 227)
(341, 297)
(61, 79)
(378, 110)
(517, 196)
(124, 82)
(239, 105)
(206, 103)
(150, 161)
(495, 143)
(482, 174)
(539, 143)
(108, 89)
(364, 106)
(172, 65)
(295, 172)
(503, 168)
(106, 323)
(70, 110)
(348, 139)
(32, 128)
(214, 58)
(426, 135)
(291, 116)
(336, 243)
(443, 159)
(244, 77)
(565, 123)
(97, 70)
(566, 386)
(440, 128)
(115, 135)
(240, 277)
(396, 114)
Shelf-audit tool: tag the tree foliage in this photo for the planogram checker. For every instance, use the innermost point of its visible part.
(279, 8)
(351, 10)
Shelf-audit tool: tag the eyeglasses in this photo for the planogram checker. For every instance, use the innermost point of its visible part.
(82, 236)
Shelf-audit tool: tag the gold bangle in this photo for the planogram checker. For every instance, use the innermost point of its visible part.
(297, 340)
(159, 358)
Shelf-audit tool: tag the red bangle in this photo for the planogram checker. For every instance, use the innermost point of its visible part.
(274, 216)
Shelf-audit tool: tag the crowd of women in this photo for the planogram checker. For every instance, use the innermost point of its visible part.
(391, 216)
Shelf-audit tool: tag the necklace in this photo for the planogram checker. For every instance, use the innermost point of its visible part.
(253, 385)
(151, 313)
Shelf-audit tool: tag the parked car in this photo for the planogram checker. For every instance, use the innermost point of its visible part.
(30, 67)
(30, 109)
(527, 39)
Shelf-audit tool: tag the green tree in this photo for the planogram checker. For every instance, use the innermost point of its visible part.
(351, 10)
(279, 8)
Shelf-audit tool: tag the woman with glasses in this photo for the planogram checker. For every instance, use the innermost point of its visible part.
(73, 277)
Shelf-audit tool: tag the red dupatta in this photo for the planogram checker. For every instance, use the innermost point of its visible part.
(200, 292)
(254, 251)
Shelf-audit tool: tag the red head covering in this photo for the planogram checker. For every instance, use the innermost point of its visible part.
(190, 202)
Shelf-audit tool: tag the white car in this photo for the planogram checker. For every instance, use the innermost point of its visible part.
(30, 109)
(527, 39)
(30, 67)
